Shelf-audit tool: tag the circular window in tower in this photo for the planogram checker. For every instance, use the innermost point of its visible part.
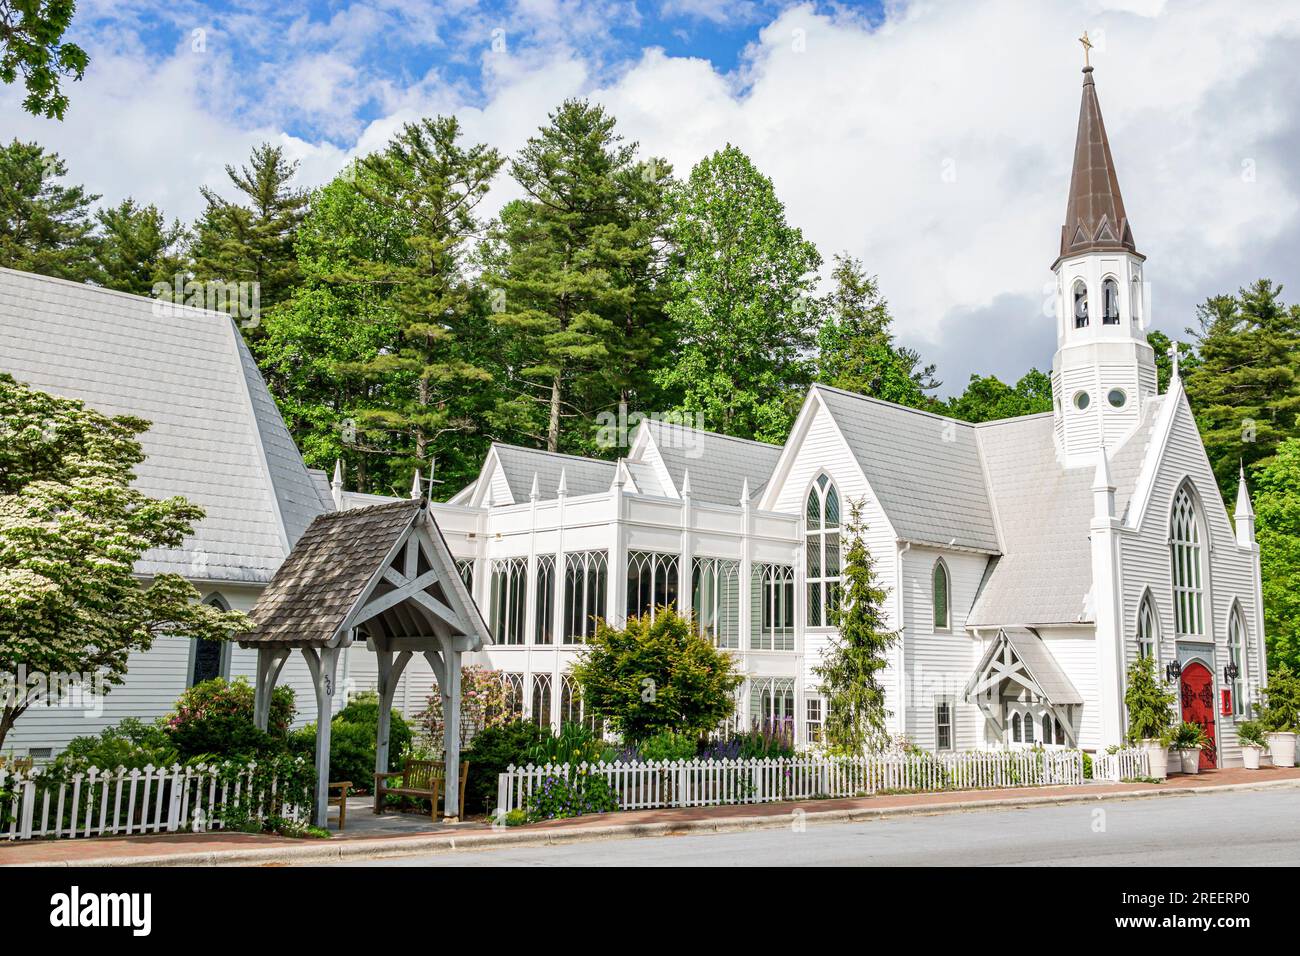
(1082, 401)
(1117, 398)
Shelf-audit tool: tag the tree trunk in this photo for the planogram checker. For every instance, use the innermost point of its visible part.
(421, 442)
(553, 424)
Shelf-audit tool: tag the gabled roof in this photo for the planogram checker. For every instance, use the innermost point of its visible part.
(1040, 667)
(1044, 511)
(1095, 219)
(924, 468)
(216, 436)
(719, 465)
(348, 558)
(583, 476)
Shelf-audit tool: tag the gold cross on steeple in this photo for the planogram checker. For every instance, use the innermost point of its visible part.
(1087, 46)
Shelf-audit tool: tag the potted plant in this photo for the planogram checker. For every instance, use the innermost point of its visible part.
(1189, 738)
(1150, 714)
(1250, 734)
(1281, 715)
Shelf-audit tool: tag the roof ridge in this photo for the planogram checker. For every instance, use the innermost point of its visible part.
(553, 454)
(880, 401)
(344, 512)
(103, 290)
(711, 434)
(1012, 418)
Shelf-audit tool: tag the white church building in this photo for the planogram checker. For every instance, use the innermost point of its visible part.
(1027, 561)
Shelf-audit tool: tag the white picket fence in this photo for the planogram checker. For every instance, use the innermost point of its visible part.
(1121, 765)
(702, 783)
(149, 800)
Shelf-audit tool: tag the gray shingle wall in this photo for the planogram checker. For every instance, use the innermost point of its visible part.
(924, 468)
(213, 424)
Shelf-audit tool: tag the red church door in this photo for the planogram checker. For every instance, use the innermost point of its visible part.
(1198, 707)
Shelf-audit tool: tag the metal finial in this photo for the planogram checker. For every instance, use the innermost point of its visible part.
(1087, 47)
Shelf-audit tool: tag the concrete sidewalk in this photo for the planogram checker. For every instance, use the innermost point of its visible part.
(216, 849)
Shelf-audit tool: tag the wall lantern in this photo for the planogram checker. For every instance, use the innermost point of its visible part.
(1231, 673)
(1173, 671)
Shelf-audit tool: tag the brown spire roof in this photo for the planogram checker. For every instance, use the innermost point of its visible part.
(1094, 218)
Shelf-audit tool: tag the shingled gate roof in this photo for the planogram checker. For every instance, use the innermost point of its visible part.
(339, 562)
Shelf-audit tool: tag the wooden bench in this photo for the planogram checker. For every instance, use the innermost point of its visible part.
(341, 800)
(423, 779)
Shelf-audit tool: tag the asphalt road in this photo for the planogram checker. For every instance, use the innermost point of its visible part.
(1244, 828)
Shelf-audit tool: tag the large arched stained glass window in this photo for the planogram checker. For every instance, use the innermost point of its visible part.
(822, 535)
(1185, 552)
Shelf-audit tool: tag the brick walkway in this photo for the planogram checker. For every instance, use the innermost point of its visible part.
(180, 845)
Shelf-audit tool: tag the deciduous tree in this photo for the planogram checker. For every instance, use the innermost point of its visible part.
(72, 527)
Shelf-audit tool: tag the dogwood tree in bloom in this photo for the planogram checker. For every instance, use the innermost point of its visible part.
(72, 528)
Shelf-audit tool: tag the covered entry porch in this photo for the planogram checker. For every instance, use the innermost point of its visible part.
(383, 576)
(1023, 694)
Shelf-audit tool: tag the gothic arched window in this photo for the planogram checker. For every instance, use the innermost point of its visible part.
(822, 538)
(1148, 629)
(1015, 728)
(941, 594)
(1237, 657)
(1080, 305)
(1110, 302)
(1188, 575)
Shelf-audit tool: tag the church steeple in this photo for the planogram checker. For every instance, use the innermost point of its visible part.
(1095, 220)
(1104, 371)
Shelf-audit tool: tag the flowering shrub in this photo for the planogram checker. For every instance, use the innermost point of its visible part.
(216, 717)
(766, 740)
(482, 705)
(574, 795)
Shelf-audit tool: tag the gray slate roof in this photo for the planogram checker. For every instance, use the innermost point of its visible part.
(719, 464)
(924, 468)
(216, 436)
(322, 579)
(583, 476)
(1044, 511)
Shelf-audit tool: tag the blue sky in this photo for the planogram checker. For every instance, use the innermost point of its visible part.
(930, 138)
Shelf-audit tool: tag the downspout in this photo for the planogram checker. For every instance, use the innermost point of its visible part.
(901, 553)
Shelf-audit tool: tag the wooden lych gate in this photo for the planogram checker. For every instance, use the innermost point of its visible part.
(382, 575)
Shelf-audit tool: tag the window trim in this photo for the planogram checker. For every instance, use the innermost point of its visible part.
(940, 565)
(1191, 595)
(665, 567)
(514, 589)
(1148, 603)
(948, 703)
(215, 599)
(592, 566)
(1080, 321)
(828, 586)
(768, 582)
(1237, 655)
(721, 625)
(1112, 282)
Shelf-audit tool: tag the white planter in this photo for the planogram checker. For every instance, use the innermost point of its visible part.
(1157, 759)
(1250, 756)
(1191, 760)
(1282, 747)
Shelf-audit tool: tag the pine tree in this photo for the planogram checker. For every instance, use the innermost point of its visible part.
(741, 285)
(1187, 360)
(251, 240)
(438, 386)
(856, 347)
(1246, 390)
(1276, 489)
(317, 343)
(855, 657)
(575, 266)
(136, 248)
(45, 226)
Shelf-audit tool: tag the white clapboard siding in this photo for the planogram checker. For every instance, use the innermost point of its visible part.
(124, 802)
(1231, 570)
(702, 783)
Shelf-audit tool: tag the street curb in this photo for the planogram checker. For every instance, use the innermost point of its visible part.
(341, 851)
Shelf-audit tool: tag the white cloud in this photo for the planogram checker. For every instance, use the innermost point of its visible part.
(935, 145)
